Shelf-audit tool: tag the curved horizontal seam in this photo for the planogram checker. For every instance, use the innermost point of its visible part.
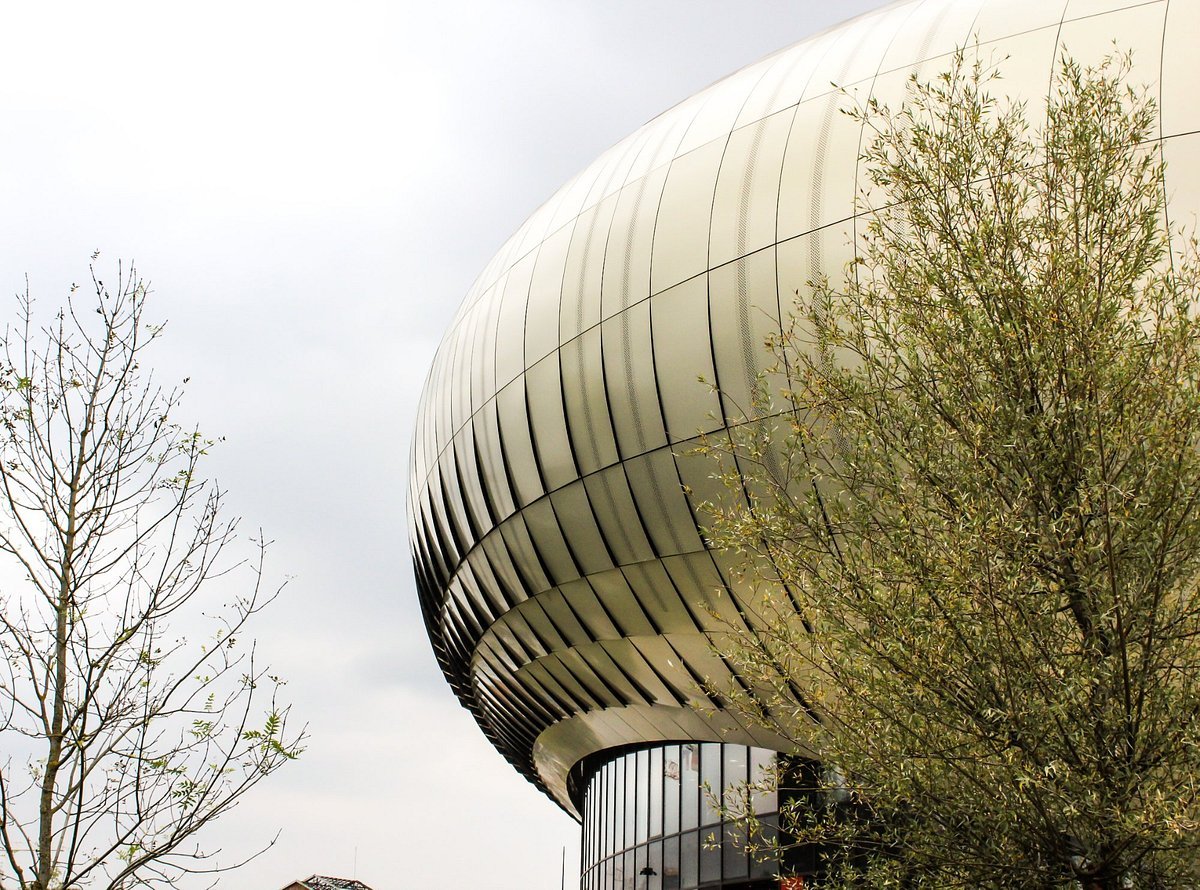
(433, 464)
(487, 631)
(841, 221)
(633, 681)
(733, 424)
(813, 97)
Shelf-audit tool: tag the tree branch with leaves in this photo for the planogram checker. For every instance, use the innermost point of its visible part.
(974, 514)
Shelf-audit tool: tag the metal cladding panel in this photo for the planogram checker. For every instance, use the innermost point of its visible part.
(561, 567)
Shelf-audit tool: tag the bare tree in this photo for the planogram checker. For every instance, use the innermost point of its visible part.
(122, 738)
(976, 520)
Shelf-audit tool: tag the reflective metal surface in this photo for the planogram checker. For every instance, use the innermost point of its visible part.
(553, 499)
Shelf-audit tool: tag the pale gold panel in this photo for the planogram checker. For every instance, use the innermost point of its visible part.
(1180, 110)
(627, 256)
(545, 293)
(1003, 18)
(935, 29)
(747, 194)
(630, 382)
(683, 355)
(722, 104)
(681, 230)
(584, 271)
(1138, 30)
(817, 185)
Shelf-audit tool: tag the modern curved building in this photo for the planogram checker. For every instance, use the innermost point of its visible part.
(559, 551)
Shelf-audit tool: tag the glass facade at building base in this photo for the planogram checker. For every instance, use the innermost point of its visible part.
(652, 818)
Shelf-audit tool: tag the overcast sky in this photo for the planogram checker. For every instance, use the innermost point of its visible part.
(311, 189)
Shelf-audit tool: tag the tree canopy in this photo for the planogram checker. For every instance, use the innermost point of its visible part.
(133, 713)
(973, 514)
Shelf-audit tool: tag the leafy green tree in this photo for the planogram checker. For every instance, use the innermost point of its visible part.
(121, 739)
(974, 514)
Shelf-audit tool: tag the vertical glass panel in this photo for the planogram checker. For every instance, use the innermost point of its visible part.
(643, 797)
(670, 867)
(597, 826)
(762, 763)
(588, 832)
(630, 872)
(602, 814)
(689, 860)
(655, 792)
(710, 854)
(671, 774)
(654, 881)
(736, 773)
(689, 786)
(761, 865)
(617, 881)
(735, 865)
(710, 780)
(602, 818)
(640, 863)
(617, 809)
(631, 795)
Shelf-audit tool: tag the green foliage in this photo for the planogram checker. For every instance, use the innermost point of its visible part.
(973, 517)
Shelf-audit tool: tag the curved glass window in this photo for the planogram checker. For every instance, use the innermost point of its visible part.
(651, 821)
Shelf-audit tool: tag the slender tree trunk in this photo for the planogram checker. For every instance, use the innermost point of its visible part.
(62, 634)
(54, 753)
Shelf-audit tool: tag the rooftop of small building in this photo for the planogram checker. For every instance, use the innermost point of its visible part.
(324, 882)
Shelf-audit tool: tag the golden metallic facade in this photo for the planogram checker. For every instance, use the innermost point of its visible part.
(553, 501)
